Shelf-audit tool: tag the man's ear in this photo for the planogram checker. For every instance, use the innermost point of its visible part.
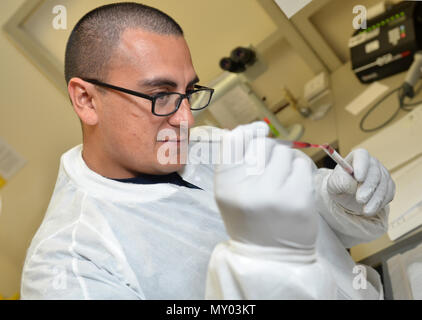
(84, 100)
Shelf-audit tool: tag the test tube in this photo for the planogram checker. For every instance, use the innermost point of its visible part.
(333, 154)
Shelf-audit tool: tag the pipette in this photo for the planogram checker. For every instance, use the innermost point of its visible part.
(333, 154)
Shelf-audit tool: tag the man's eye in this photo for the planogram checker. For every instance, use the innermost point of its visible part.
(162, 99)
(160, 94)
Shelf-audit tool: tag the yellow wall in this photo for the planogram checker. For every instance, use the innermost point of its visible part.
(10, 277)
(212, 28)
(36, 120)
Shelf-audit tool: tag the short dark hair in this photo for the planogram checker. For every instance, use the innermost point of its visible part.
(96, 35)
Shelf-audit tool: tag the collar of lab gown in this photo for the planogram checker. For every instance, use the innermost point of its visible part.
(75, 168)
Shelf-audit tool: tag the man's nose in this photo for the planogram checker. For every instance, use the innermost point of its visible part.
(183, 114)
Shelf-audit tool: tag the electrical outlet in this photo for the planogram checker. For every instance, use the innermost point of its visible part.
(315, 86)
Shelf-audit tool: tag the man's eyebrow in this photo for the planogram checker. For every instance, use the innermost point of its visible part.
(194, 81)
(160, 82)
(157, 82)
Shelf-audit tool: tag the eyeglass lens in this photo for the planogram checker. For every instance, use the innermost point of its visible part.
(166, 104)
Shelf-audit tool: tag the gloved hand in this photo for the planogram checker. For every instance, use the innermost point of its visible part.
(267, 206)
(372, 190)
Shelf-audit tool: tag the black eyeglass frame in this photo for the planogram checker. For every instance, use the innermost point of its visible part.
(155, 97)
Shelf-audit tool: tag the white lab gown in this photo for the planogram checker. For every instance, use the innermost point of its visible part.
(103, 239)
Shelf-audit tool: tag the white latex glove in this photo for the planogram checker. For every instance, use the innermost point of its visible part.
(274, 207)
(370, 191)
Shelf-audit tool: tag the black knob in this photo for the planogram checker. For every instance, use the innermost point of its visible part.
(242, 55)
(228, 64)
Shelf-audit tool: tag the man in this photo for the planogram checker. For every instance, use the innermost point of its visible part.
(124, 224)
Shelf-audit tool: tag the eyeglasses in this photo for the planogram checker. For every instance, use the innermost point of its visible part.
(167, 103)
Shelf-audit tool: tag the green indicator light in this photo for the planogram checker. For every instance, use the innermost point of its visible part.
(402, 13)
(397, 16)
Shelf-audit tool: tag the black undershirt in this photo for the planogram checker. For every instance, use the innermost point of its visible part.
(173, 178)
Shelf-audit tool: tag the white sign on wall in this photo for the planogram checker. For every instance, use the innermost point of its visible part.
(10, 162)
(290, 8)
